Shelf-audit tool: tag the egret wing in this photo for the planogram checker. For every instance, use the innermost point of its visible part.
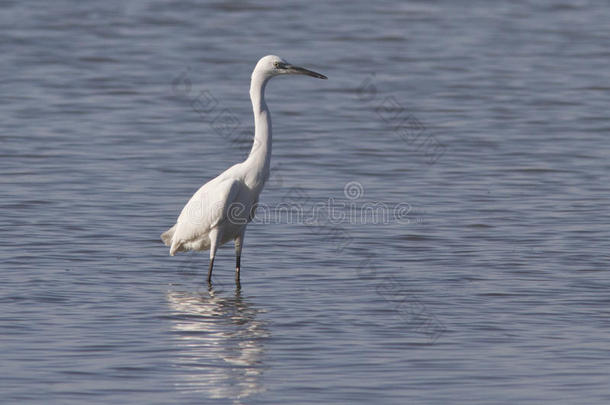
(206, 209)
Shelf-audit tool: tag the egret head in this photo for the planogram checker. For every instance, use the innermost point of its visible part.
(271, 65)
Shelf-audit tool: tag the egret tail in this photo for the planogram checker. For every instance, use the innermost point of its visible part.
(168, 235)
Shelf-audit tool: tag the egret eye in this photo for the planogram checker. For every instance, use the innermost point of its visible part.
(276, 64)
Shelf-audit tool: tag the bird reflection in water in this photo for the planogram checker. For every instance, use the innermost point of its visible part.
(220, 344)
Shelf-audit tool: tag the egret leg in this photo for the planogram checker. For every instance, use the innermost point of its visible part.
(214, 241)
(237, 282)
(210, 270)
(238, 245)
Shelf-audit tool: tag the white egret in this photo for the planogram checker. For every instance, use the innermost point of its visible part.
(221, 209)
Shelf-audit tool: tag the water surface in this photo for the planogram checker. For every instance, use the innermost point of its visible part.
(487, 121)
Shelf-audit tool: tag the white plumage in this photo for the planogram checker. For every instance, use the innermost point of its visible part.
(222, 208)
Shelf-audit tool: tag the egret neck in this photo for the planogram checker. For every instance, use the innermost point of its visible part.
(260, 154)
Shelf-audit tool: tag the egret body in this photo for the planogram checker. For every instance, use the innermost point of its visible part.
(222, 208)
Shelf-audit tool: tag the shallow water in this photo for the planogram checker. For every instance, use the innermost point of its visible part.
(476, 133)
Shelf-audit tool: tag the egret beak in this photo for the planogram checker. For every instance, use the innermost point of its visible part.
(297, 70)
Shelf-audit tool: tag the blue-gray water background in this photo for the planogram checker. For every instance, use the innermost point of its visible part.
(489, 119)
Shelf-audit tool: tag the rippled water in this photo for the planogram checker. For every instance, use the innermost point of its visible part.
(486, 122)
